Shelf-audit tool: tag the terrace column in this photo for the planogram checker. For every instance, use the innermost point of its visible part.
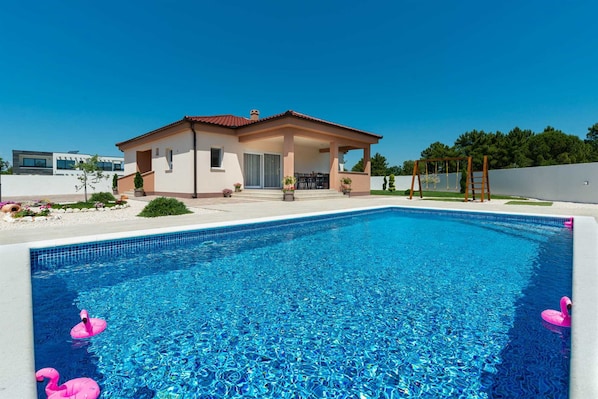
(367, 162)
(334, 180)
(289, 154)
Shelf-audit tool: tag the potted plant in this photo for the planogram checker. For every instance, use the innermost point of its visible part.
(237, 187)
(346, 185)
(138, 181)
(115, 184)
(227, 192)
(288, 188)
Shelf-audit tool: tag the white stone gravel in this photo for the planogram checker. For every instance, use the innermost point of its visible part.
(60, 219)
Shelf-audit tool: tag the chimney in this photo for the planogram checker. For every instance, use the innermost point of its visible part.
(254, 114)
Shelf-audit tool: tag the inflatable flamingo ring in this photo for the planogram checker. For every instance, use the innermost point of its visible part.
(78, 388)
(559, 318)
(569, 223)
(88, 327)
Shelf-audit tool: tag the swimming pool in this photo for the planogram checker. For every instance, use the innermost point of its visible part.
(426, 310)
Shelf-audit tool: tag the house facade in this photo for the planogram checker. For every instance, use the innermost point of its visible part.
(199, 156)
(59, 163)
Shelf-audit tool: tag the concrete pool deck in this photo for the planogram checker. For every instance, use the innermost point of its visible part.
(16, 336)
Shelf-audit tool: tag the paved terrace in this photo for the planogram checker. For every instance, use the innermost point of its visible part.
(16, 361)
(232, 209)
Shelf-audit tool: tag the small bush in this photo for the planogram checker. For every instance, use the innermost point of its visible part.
(163, 206)
(138, 181)
(391, 183)
(102, 197)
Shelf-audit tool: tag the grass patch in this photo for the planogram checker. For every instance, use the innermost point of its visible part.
(441, 194)
(445, 199)
(533, 203)
(87, 205)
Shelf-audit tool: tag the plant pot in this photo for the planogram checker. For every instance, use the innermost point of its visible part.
(115, 191)
(288, 196)
(347, 191)
(139, 192)
(237, 189)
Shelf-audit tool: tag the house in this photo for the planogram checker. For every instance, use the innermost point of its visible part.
(199, 156)
(59, 163)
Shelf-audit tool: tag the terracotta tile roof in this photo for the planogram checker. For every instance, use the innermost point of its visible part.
(311, 118)
(237, 121)
(221, 120)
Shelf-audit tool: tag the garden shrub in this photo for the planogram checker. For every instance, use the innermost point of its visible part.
(391, 183)
(102, 197)
(138, 181)
(163, 206)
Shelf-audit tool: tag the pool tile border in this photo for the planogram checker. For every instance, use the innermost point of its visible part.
(46, 258)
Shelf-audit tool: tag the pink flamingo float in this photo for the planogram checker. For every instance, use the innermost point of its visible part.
(78, 388)
(559, 318)
(569, 223)
(88, 327)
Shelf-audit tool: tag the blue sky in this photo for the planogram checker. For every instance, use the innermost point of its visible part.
(84, 75)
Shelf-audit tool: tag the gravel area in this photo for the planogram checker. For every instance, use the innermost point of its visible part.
(60, 219)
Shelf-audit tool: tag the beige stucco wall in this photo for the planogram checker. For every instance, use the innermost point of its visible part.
(310, 159)
(179, 179)
(214, 180)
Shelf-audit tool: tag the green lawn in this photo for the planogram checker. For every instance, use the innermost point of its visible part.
(534, 203)
(439, 195)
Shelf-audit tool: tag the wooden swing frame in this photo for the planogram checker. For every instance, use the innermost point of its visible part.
(483, 183)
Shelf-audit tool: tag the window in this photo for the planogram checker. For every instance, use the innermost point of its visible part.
(104, 165)
(169, 158)
(157, 151)
(118, 166)
(64, 164)
(216, 158)
(34, 162)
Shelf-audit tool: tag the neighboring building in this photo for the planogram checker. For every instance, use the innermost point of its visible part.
(59, 163)
(198, 156)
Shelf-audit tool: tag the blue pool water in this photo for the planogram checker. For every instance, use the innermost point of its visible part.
(380, 304)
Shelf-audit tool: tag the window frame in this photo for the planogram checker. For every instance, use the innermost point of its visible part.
(220, 157)
(169, 155)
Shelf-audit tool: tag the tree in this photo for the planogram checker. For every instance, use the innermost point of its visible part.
(516, 143)
(379, 165)
(407, 169)
(5, 165)
(592, 141)
(553, 147)
(92, 174)
(358, 167)
(437, 150)
(395, 170)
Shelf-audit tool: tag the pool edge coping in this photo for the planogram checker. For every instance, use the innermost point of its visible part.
(15, 383)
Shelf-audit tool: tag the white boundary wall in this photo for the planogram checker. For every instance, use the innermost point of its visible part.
(569, 183)
(40, 186)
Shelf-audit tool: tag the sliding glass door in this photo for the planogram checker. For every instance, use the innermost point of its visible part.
(272, 177)
(262, 170)
(252, 164)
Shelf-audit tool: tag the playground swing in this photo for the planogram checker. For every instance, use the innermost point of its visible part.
(457, 176)
(447, 173)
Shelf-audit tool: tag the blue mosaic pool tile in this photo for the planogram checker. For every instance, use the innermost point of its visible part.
(55, 257)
